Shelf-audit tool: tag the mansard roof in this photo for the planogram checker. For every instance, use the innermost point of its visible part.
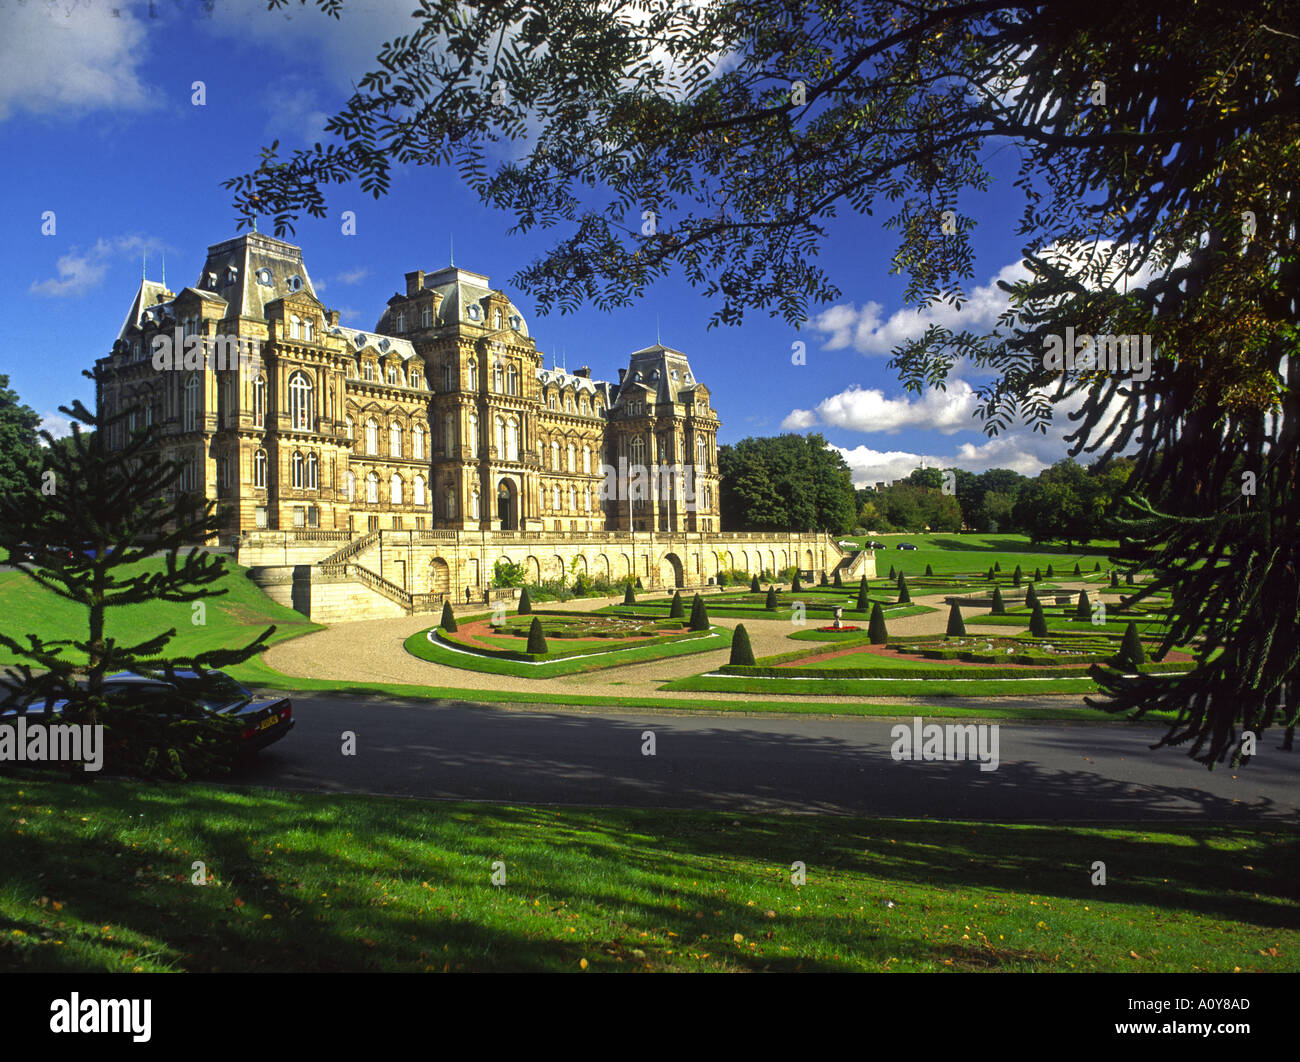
(464, 301)
(146, 298)
(660, 370)
(355, 341)
(252, 270)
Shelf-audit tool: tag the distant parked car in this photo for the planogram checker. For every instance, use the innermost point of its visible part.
(905, 545)
(875, 545)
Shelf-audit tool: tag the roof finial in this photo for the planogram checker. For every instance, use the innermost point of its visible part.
(164, 270)
(452, 239)
(658, 342)
(144, 264)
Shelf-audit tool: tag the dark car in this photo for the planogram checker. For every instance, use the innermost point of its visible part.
(264, 722)
(905, 545)
(875, 545)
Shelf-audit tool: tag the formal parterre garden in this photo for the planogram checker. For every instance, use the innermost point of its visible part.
(571, 642)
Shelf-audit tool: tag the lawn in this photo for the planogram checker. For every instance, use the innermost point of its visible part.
(950, 554)
(100, 878)
(231, 620)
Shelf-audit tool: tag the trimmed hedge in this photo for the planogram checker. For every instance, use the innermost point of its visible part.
(448, 621)
(742, 653)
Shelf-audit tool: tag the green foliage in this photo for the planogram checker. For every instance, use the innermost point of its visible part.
(1038, 622)
(1131, 653)
(929, 569)
(1031, 597)
(536, 637)
(629, 595)
(785, 483)
(795, 584)
(677, 610)
(999, 608)
(1078, 570)
(770, 602)
(863, 601)
(1038, 575)
(904, 597)
(989, 575)
(448, 621)
(1050, 573)
(699, 615)
(956, 625)
(20, 451)
(892, 574)
(508, 574)
(525, 603)
(1114, 579)
(754, 588)
(876, 630)
(1017, 577)
(741, 651)
(1083, 610)
(838, 581)
(822, 580)
(997, 566)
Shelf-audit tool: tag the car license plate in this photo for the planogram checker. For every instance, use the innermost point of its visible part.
(269, 721)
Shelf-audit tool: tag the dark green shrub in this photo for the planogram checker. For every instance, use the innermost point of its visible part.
(823, 581)
(1131, 653)
(525, 603)
(956, 625)
(1114, 579)
(753, 584)
(1038, 575)
(999, 609)
(1038, 622)
(929, 570)
(638, 583)
(741, 651)
(699, 616)
(448, 621)
(770, 603)
(997, 567)
(892, 574)
(1083, 610)
(536, 639)
(677, 609)
(904, 598)
(1031, 596)
(1097, 567)
(862, 601)
(1128, 579)
(839, 581)
(876, 630)
(1017, 576)
(989, 575)
(629, 598)
(1078, 570)
(795, 584)
(1050, 574)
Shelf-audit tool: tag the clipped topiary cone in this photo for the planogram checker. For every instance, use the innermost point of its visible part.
(536, 638)
(956, 625)
(525, 602)
(742, 652)
(448, 621)
(876, 630)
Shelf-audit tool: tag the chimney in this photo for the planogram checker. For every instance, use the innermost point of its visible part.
(621, 373)
(584, 372)
(333, 317)
(414, 282)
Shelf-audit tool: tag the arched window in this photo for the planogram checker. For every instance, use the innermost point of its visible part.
(555, 455)
(449, 434)
(550, 401)
(568, 403)
(473, 434)
(496, 319)
(473, 375)
(555, 497)
(637, 450)
(259, 402)
(395, 489)
(572, 465)
(496, 377)
(586, 459)
(395, 439)
(417, 491)
(372, 436)
(313, 472)
(573, 499)
(372, 487)
(474, 504)
(352, 485)
(701, 452)
(588, 499)
(349, 429)
(451, 503)
(394, 376)
(501, 436)
(417, 442)
(300, 401)
(306, 328)
(294, 331)
(192, 399)
(512, 439)
(512, 380)
(259, 468)
(296, 465)
(401, 322)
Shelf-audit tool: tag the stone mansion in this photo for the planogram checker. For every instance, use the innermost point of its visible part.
(440, 426)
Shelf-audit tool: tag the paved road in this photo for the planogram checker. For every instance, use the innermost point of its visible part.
(1079, 772)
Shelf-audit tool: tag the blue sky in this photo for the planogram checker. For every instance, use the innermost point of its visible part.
(97, 125)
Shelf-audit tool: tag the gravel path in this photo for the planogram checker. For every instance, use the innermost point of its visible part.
(372, 651)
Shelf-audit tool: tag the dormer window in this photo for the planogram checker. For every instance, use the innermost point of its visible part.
(368, 370)
(384, 344)
(360, 341)
(496, 319)
(425, 316)
(393, 375)
(232, 275)
(209, 280)
(401, 322)
(473, 311)
(515, 321)
(294, 283)
(264, 277)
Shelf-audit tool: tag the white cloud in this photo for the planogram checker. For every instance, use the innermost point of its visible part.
(82, 271)
(1021, 451)
(354, 276)
(70, 58)
(56, 424)
(858, 409)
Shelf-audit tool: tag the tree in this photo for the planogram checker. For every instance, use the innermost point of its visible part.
(999, 608)
(1050, 574)
(20, 451)
(525, 605)
(536, 637)
(448, 621)
(997, 567)
(770, 602)
(1038, 622)
(795, 584)
(1131, 653)
(1163, 212)
(956, 625)
(1031, 596)
(784, 483)
(876, 630)
(1017, 576)
(904, 598)
(839, 580)
(1114, 579)
(1083, 610)
(1038, 575)
(929, 570)
(699, 616)
(989, 575)
(677, 610)
(742, 653)
(893, 575)
(754, 588)
(508, 574)
(863, 600)
(1077, 569)
(119, 504)
(629, 595)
